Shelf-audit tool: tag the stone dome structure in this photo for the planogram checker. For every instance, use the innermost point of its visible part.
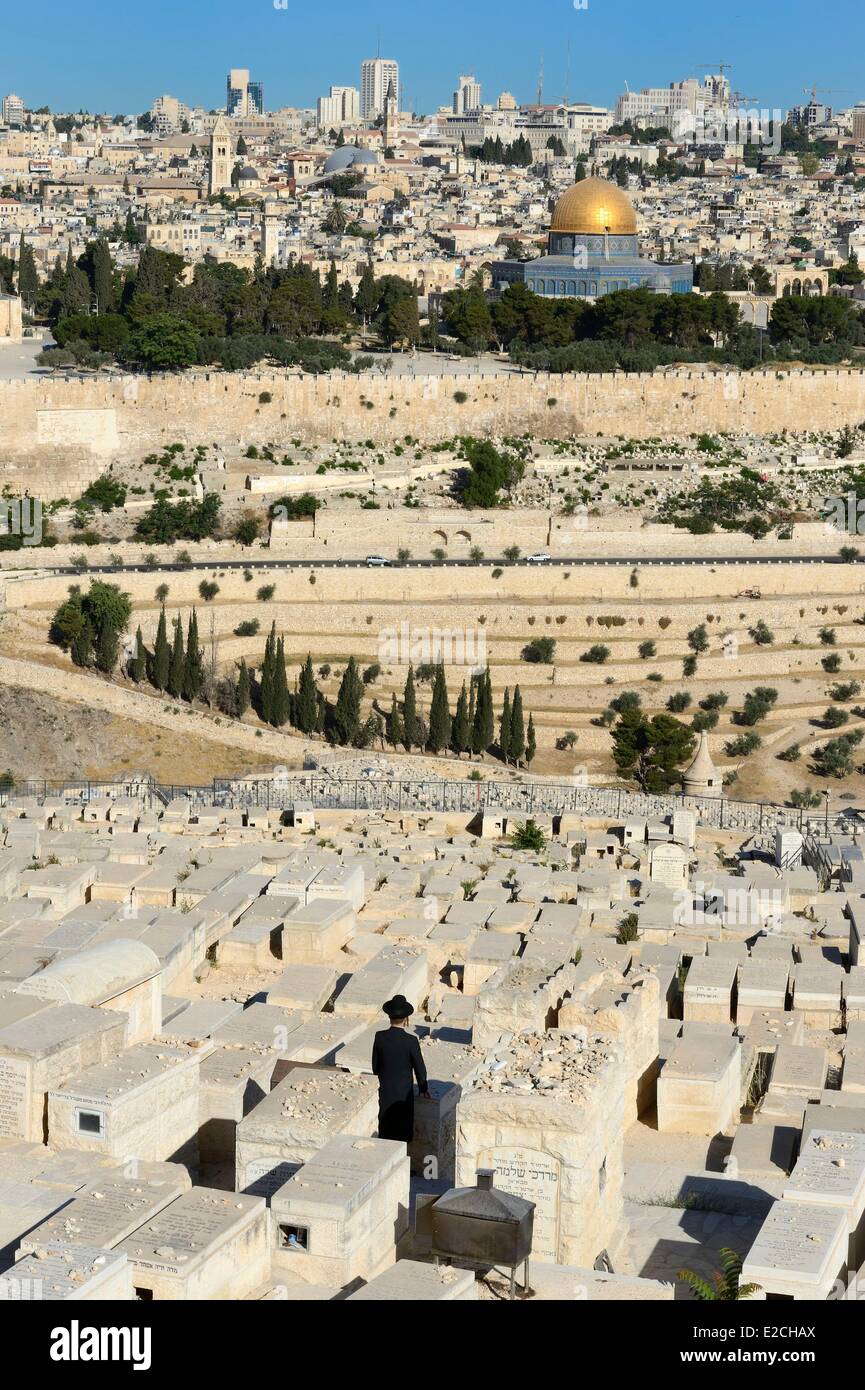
(700, 777)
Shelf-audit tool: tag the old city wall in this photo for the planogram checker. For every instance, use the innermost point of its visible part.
(68, 429)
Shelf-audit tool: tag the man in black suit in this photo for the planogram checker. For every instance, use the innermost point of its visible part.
(396, 1060)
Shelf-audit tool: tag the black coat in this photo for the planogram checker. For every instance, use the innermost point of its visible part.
(396, 1061)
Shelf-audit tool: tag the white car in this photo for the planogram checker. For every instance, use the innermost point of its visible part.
(539, 559)
(376, 560)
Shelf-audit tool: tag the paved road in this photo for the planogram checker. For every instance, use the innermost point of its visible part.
(557, 563)
(18, 360)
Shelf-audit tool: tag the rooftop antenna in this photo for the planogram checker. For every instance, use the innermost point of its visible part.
(541, 83)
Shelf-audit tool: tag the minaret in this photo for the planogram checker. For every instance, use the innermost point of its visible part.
(391, 117)
(269, 233)
(220, 157)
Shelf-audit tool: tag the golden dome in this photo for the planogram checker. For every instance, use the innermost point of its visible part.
(594, 206)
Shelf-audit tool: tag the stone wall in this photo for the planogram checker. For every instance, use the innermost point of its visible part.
(81, 423)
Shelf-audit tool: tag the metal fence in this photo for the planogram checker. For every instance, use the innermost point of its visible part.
(461, 797)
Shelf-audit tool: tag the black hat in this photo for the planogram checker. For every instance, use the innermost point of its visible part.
(398, 1007)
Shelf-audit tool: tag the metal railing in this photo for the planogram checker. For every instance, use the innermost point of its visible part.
(458, 796)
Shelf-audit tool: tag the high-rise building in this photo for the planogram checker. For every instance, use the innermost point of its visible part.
(341, 107)
(13, 111)
(375, 75)
(243, 98)
(859, 121)
(467, 96)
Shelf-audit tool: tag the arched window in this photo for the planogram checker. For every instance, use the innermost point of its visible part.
(572, 287)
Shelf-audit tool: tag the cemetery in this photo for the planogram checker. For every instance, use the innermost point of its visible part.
(643, 1044)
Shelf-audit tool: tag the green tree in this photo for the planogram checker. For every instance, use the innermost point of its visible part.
(483, 722)
(161, 654)
(518, 735)
(177, 662)
(306, 705)
(193, 669)
(409, 713)
(461, 730)
(531, 743)
(267, 677)
(346, 712)
(28, 276)
(505, 728)
(138, 664)
(651, 750)
(243, 690)
(281, 703)
(395, 726)
(440, 715)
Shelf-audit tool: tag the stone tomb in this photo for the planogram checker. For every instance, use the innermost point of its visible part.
(699, 1085)
(668, 864)
(409, 1281)
(762, 985)
(208, 1244)
(307, 1108)
(67, 1271)
(107, 1211)
(547, 1114)
(343, 1213)
(800, 1251)
(40, 1050)
(143, 1103)
(830, 1171)
(708, 995)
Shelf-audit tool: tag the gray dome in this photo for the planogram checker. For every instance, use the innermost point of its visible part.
(247, 172)
(340, 159)
(347, 157)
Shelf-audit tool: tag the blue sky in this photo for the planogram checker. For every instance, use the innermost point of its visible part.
(102, 56)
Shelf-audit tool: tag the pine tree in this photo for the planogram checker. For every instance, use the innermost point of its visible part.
(306, 705)
(177, 662)
(518, 731)
(281, 702)
(531, 745)
(330, 295)
(138, 664)
(395, 728)
(242, 689)
(439, 715)
(161, 654)
(461, 731)
(505, 728)
(346, 713)
(409, 713)
(193, 671)
(267, 673)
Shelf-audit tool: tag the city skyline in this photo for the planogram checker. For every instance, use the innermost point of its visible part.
(587, 54)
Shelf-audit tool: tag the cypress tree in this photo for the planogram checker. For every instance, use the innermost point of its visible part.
(280, 709)
(409, 713)
(267, 672)
(439, 715)
(518, 731)
(28, 278)
(105, 655)
(531, 745)
(242, 689)
(193, 671)
(395, 728)
(366, 297)
(346, 714)
(177, 662)
(81, 648)
(505, 728)
(461, 732)
(138, 664)
(161, 654)
(306, 705)
(103, 276)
